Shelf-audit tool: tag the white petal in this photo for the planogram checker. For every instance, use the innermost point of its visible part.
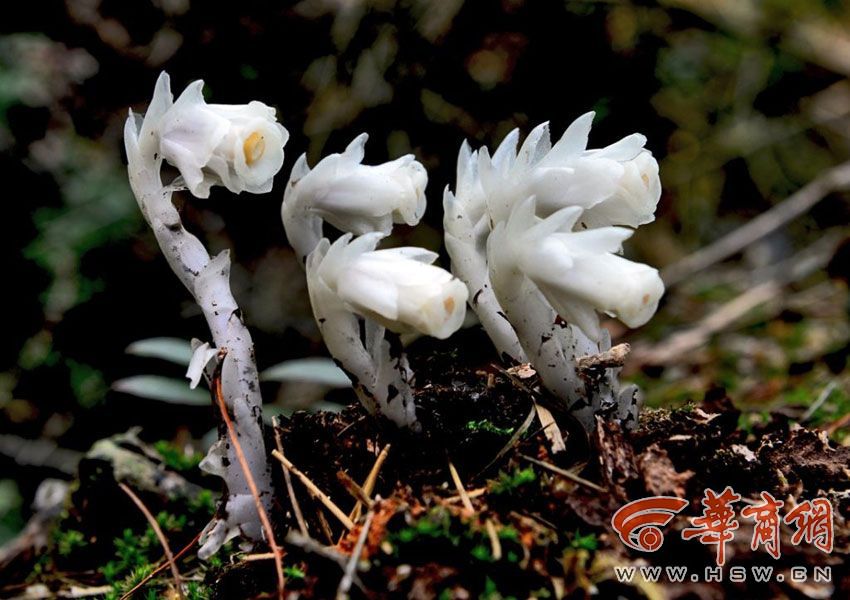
(505, 154)
(535, 146)
(625, 149)
(411, 253)
(356, 150)
(574, 140)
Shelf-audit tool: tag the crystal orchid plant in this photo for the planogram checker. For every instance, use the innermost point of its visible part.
(536, 233)
(360, 295)
(241, 148)
(534, 236)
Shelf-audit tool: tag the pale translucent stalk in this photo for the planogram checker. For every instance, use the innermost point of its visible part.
(466, 244)
(207, 279)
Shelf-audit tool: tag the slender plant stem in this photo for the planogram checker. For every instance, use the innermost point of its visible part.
(249, 478)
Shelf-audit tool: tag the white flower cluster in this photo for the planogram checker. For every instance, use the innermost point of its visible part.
(396, 289)
(536, 233)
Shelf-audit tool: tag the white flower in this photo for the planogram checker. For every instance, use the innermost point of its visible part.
(635, 198)
(615, 185)
(578, 272)
(351, 196)
(398, 287)
(237, 145)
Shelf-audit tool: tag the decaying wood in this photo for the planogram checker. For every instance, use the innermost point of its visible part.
(612, 358)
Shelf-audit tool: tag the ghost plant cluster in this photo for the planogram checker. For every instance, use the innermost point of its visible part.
(361, 295)
(534, 236)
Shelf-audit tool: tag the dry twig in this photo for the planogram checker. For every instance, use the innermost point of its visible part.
(464, 496)
(315, 491)
(371, 480)
(679, 346)
(795, 205)
(175, 572)
(495, 544)
(514, 439)
(564, 473)
(353, 488)
(325, 526)
(683, 343)
(351, 567)
(163, 563)
(258, 556)
(822, 397)
(476, 493)
(296, 507)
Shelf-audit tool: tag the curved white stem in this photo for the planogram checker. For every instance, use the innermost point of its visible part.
(207, 279)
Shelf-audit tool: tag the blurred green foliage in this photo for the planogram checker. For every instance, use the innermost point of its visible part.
(10, 510)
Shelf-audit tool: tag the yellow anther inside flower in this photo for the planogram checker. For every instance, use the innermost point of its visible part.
(253, 147)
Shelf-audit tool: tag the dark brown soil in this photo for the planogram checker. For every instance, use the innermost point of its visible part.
(531, 532)
(554, 535)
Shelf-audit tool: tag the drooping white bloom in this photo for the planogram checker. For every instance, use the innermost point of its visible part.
(351, 196)
(635, 198)
(357, 291)
(615, 185)
(397, 287)
(578, 272)
(239, 146)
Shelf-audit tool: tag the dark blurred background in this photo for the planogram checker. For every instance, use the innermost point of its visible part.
(742, 101)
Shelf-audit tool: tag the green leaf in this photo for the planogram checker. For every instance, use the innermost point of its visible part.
(315, 370)
(173, 350)
(154, 387)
